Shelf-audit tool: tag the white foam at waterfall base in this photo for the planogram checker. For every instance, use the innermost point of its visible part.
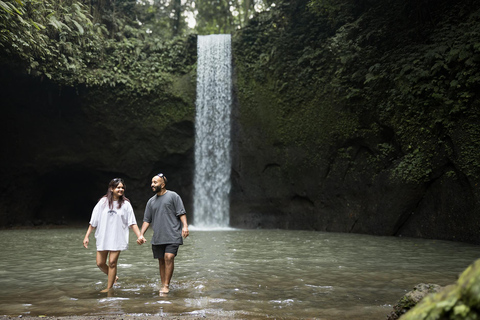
(212, 228)
(212, 132)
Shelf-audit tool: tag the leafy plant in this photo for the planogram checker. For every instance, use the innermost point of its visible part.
(326, 71)
(61, 42)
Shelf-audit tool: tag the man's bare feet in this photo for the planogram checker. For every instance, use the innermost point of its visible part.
(116, 279)
(165, 289)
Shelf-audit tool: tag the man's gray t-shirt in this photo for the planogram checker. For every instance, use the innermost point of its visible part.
(163, 213)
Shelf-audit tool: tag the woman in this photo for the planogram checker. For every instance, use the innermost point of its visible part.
(112, 216)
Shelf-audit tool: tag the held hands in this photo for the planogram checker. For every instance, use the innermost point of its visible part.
(141, 240)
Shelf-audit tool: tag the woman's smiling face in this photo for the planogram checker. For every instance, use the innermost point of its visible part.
(118, 191)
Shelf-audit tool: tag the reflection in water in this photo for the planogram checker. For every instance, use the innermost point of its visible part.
(237, 273)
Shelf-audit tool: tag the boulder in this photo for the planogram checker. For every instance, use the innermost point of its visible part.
(458, 301)
(411, 298)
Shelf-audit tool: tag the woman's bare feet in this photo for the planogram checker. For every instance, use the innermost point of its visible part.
(108, 289)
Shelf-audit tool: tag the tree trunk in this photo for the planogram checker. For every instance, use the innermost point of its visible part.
(247, 3)
(177, 7)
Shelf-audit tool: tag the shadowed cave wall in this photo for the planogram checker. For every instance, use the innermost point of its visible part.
(61, 147)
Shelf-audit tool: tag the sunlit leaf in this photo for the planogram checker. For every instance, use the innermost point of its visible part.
(79, 27)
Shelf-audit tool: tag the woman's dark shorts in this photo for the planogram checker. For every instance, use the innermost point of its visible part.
(159, 250)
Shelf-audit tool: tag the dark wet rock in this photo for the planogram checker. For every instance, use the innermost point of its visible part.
(412, 298)
(306, 157)
(38, 222)
(61, 147)
(458, 301)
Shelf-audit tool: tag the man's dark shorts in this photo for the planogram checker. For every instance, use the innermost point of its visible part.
(159, 250)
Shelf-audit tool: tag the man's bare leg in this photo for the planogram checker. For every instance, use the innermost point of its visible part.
(166, 271)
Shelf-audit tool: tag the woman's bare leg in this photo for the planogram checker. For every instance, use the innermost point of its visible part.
(102, 261)
(112, 269)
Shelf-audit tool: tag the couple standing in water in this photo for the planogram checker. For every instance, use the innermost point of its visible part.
(113, 215)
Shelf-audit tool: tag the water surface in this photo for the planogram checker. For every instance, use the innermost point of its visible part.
(236, 273)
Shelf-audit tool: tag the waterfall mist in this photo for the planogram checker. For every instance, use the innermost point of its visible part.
(212, 137)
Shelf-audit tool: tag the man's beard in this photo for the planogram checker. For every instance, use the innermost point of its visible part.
(157, 189)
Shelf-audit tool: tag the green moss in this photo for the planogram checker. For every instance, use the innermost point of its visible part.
(469, 141)
(157, 110)
(290, 114)
(458, 301)
(320, 77)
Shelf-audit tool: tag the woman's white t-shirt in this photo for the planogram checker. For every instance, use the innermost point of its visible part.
(112, 225)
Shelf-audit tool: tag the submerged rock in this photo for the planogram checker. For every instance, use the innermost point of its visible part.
(411, 298)
(458, 301)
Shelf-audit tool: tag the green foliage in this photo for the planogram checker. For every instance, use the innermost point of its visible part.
(163, 18)
(337, 12)
(324, 71)
(222, 16)
(19, 31)
(415, 166)
(468, 134)
(284, 73)
(456, 302)
(432, 91)
(214, 17)
(62, 43)
(153, 112)
(121, 43)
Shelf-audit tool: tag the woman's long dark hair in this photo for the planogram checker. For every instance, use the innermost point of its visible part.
(112, 185)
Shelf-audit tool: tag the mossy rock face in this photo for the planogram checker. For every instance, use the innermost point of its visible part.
(412, 298)
(338, 126)
(455, 302)
(57, 139)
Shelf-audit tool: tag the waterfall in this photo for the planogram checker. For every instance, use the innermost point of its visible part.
(212, 132)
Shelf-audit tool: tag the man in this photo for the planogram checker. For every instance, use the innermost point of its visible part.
(166, 213)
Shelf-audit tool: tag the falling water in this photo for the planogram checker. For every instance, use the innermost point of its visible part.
(212, 123)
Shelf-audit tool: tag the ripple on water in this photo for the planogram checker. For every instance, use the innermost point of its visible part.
(159, 302)
(240, 273)
(109, 299)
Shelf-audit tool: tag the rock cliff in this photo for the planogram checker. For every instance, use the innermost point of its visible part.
(364, 119)
(345, 123)
(63, 145)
